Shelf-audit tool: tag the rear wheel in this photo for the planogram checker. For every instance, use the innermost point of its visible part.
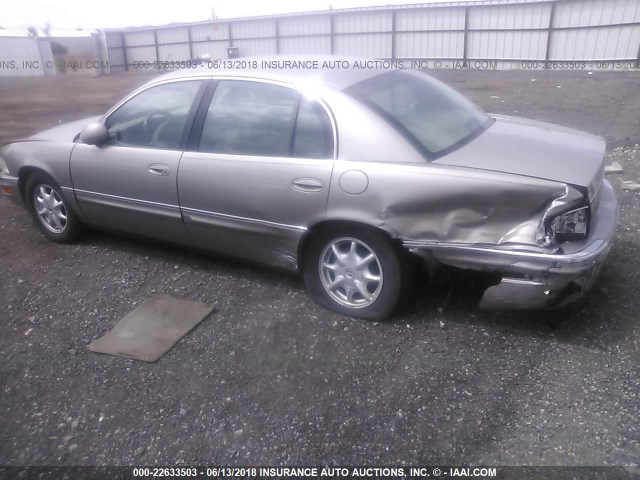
(359, 273)
(52, 214)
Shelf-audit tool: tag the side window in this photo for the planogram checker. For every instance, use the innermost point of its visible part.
(254, 118)
(154, 118)
(250, 118)
(313, 136)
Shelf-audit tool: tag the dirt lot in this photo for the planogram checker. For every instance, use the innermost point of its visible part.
(272, 378)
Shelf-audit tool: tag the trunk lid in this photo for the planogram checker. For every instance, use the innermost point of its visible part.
(535, 149)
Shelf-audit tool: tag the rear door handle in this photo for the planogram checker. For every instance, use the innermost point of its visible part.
(159, 169)
(307, 184)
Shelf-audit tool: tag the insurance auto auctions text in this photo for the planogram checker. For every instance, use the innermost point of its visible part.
(311, 64)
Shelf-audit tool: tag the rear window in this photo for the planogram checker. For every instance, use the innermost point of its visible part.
(434, 117)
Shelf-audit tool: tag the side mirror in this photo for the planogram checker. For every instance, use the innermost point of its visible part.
(94, 134)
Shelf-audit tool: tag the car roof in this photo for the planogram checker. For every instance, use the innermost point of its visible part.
(329, 70)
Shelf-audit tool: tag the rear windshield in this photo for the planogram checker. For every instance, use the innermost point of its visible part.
(434, 117)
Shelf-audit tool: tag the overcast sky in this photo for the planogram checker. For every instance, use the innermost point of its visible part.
(92, 14)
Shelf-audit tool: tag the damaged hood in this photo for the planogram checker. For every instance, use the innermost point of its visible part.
(535, 149)
(65, 132)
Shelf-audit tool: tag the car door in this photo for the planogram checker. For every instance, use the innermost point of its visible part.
(129, 183)
(259, 172)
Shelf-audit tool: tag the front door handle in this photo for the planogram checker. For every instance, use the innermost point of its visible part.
(159, 169)
(307, 184)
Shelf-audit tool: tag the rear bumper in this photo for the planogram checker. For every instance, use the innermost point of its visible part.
(9, 188)
(531, 279)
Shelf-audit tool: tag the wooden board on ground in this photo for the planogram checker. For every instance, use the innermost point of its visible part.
(152, 328)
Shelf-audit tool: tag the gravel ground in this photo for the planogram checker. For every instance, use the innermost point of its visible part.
(272, 378)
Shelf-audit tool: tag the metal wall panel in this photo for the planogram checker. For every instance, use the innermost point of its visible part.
(363, 22)
(46, 56)
(213, 31)
(173, 35)
(144, 37)
(215, 50)
(116, 57)
(364, 45)
(174, 52)
(319, 45)
(521, 16)
(596, 44)
(312, 25)
(517, 45)
(252, 48)
(596, 12)
(495, 30)
(430, 19)
(114, 39)
(254, 29)
(430, 45)
(141, 54)
(621, 43)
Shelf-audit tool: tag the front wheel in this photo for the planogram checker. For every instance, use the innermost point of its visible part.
(54, 217)
(358, 273)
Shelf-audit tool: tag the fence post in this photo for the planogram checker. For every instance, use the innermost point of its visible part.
(124, 53)
(331, 34)
(155, 42)
(97, 47)
(465, 52)
(190, 43)
(393, 34)
(549, 36)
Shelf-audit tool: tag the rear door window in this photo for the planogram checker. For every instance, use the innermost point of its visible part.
(262, 119)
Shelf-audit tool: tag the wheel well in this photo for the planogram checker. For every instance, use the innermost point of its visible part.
(344, 225)
(23, 177)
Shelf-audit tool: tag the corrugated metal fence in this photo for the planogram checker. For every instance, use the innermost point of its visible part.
(490, 33)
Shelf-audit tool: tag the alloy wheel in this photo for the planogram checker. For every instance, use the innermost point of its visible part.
(50, 208)
(350, 272)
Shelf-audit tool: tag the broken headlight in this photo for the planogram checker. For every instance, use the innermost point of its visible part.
(572, 225)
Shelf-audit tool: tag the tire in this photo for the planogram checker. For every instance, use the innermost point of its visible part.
(338, 276)
(52, 214)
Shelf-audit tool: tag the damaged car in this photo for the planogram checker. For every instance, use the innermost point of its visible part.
(348, 177)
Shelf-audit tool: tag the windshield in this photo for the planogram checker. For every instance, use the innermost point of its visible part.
(434, 117)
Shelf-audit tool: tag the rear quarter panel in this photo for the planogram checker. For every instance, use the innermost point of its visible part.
(444, 204)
